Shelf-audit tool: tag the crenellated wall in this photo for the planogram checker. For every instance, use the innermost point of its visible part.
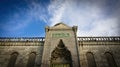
(98, 46)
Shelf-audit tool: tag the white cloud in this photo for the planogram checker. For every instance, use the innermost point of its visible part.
(89, 17)
(56, 9)
(23, 16)
(107, 27)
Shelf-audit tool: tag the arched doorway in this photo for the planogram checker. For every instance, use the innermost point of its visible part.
(61, 56)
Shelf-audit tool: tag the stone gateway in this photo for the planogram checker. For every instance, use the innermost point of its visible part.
(60, 48)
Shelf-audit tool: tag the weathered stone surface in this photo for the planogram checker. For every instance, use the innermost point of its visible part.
(23, 54)
(68, 36)
(99, 52)
(43, 47)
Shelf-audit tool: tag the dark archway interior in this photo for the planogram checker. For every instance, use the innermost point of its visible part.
(31, 60)
(90, 59)
(110, 59)
(12, 59)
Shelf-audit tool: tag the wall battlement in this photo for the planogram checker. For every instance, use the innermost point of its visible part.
(111, 38)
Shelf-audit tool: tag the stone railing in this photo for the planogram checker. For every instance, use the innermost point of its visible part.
(99, 38)
(23, 39)
(42, 39)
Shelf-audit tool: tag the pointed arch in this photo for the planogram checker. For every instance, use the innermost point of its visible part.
(31, 59)
(12, 60)
(90, 59)
(110, 59)
(61, 56)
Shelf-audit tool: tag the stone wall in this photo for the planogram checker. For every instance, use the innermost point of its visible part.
(98, 48)
(23, 49)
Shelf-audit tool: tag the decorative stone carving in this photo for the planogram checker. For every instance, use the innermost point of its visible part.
(61, 54)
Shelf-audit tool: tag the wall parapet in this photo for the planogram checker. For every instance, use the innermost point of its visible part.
(42, 39)
(112, 38)
(23, 39)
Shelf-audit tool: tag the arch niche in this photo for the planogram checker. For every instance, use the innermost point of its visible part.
(61, 56)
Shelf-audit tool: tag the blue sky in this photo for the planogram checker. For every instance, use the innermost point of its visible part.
(28, 18)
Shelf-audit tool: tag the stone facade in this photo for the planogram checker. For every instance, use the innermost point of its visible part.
(23, 46)
(99, 46)
(59, 43)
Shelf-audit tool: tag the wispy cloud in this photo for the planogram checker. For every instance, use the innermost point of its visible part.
(90, 16)
(23, 16)
(38, 11)
(93, 17)
(56, 10)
